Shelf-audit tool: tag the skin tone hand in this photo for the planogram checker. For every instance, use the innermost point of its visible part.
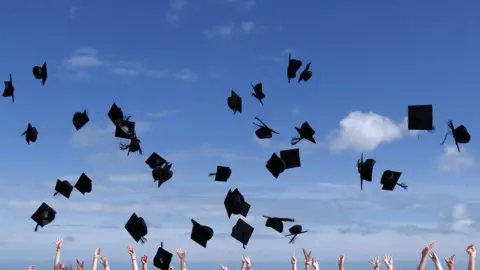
(376, 262)
(450, 262)
(427, 249)
(79, 265)
(96, 252)
(308, 256)
(223, 267)
(130, 250)
(59, 243)
(388, 262)
(341, 260)
(181, 253)
(315, 264)
(31, 267)
(247, 260)
(294, 259)
(144, 259)
(471, 250)
(433, 256)
(104, 261)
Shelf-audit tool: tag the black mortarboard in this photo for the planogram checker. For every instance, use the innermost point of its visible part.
(294, 231)
(63, 187)
(155, 160)
(263, 131)
(235, 203)
(234, 102)
(43, 216)
(9, 90)
(133, 146)
(275, 165)
(306, 74)
(84, 184)
(365, 169)
(291, 158)
(162, 173)
(80, 119)
(293, 66)
(390, 180)
(277, 223)
(115, 114)
(201, 234)
(137, 228)
(420, 117)
(305, 132)
(125, 129)
(258, 92)
(460, 134)
(162, 259)
(40, 72)
(242, 231)
(31, 134)
(222, 174)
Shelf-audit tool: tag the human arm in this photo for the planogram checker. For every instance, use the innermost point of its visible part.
(435, 260)
(59, 244)
(294, 263)
(96, 253)
(144, 262)
(131, 251)
(450, 262)
(341, 261)
(388, 262)
(104, 262)
(375, 261)
(423, 260)
(308, 258)
(472, 254)
(248, 262)
(181, 255)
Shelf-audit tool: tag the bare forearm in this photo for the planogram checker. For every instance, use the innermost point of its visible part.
(144, 266)
(421, 265)
(134, 263)
(471, 263)
(249, 266)
(106, 267)
(307, 266)
(438, 265)
(340, 266)
(94, 263)
(294, 266)
(57, 259)
(243, 266)
(183, 264)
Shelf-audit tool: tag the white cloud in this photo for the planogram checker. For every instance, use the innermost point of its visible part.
(243, 3)
(72, 11)
(452, 160)
(85, 57)
(90, 135)
(163, 114)
(365, 132)
(186, 75)
(220, 31)
(128, 178)
(124, 71)
(248, 26)
(157, 73)
(175, 6)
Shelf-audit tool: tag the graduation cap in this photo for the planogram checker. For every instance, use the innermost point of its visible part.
(242, 231)
(293, 66)
(40, 72)
(420, 117)
(263, 131)
(222, 174)
(43, 216)
(155, 160)
(460, 134)
(235, 203)
(291, 158)
(162, 258)
(115, 114)
(201, 234)
(390, 180)
(275, 165)
(84, 184)
(305, 132)
(365, 169)
(125, 129)
(80, 119)
(258, 92)
(137, 228)
(9, 90)
(306, 74)
(276, 223)
(294, 231)
(133, 146)
(162, 173)
(63, 187)
(234, 102)
(31, 134)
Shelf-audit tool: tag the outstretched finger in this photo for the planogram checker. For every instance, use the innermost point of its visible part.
(453, 257)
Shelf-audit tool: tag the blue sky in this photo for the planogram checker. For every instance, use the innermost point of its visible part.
(171, 65)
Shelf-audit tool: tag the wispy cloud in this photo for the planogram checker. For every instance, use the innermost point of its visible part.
(248, 26)
(244, 4)
(172, 16)
(72, 12)
(85, 57)
(452, 160)
(162, 114)
(186, 74)
(219, 31)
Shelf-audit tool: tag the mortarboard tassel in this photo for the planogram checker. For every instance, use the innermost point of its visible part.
(450, 125)
(292, 241)
(55, 194)
(36, 227)
(403, 185)
(295, 140)
(143, 240)
(212, 174)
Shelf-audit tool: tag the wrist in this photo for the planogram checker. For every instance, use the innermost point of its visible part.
(134, 258)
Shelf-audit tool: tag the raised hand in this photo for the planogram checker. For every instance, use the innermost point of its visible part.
(450, 261)
(59, 243)
(427, 249)
(307, 255)
(31, 267)
(375, 261)
(223, 267)
(471, 250)
(341, 259)
(79, 265)
(130, 250)
(104, 261)
(433, 256)
(294, 259)
(247, 259)
(144, 259)
(388, 261)
(315, 264)
(181, 253)
(96, 252)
